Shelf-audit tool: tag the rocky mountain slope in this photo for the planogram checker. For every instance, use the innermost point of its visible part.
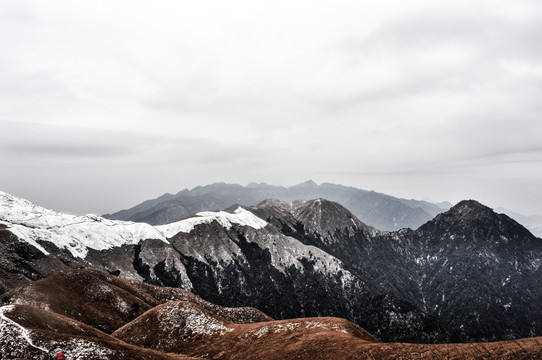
(179, 325)
(468, 275)
(379, 210)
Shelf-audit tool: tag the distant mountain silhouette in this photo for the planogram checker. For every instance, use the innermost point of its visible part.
(379, 210)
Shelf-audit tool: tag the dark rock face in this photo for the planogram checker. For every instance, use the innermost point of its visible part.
(379, 210)
(152, 261)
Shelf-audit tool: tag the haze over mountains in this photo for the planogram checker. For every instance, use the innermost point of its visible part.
(379, 210)
(469, 274)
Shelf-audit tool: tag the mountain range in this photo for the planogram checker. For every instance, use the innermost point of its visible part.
(469, 274)
(382, 211)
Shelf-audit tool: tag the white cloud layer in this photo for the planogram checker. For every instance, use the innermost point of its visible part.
(106, 103)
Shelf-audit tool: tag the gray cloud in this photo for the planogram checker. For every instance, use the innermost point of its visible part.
(416, 99)
(35, 140)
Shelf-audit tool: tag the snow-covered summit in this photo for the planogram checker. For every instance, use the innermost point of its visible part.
(33, 223)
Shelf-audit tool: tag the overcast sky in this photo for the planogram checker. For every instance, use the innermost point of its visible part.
(104, 104)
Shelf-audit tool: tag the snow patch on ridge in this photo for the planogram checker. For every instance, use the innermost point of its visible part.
(286, 251)
(225, 219)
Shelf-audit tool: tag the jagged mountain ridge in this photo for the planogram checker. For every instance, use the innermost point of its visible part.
(379, 210)
(179, 325)
(313, 258)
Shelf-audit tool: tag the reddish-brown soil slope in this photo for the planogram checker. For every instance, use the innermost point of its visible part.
(186, 328)
(107, 302)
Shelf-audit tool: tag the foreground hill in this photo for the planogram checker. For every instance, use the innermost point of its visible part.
(205, 335)
(107, 302)
(30, 333)
(181, 329)
(468, 275)
(77, 310)
(379, 210)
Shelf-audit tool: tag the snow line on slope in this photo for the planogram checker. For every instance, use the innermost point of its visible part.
(24, 332)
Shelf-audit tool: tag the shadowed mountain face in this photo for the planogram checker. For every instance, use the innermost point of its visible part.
(468, 275)
(186, 327)
(481, 263)
(379, 210)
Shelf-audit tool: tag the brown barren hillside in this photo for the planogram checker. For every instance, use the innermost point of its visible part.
(107, 302)
(182, 327)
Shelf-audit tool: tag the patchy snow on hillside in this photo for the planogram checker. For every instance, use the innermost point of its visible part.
(179, 317)
(291, 326)
(82, 349)
(286, 251)
(325, 326)
(15, 340)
